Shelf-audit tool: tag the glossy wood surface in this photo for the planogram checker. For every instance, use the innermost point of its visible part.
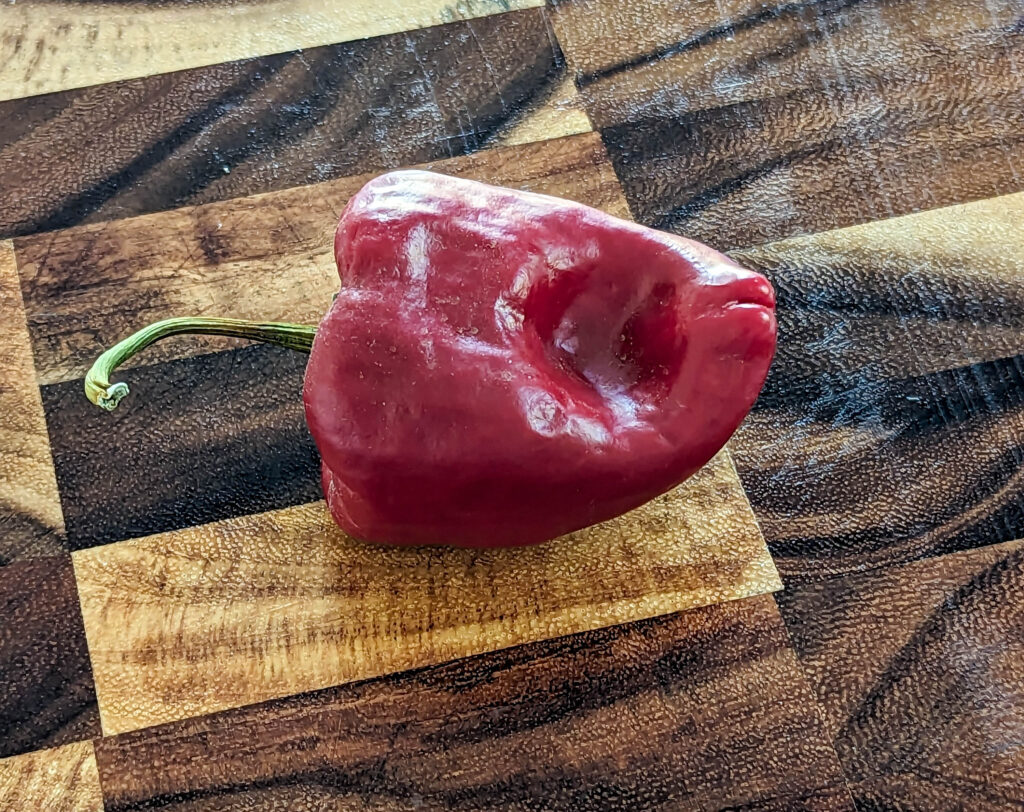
(827, 617)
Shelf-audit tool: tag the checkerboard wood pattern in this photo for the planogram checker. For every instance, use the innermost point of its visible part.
(183, 628)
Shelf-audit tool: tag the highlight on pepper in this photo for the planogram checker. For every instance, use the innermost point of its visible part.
(500, 368)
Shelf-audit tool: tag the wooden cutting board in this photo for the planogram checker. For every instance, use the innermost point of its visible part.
(182, 626)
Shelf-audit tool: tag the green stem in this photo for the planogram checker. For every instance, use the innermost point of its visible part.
(106, 395)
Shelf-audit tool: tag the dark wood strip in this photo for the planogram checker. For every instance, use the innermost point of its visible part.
(920, 672)
(890, 426)
(705, 709)
(200, 439)
(761, 122)
(824, 799)
(48, 696)
(267, 123)
(877, 472)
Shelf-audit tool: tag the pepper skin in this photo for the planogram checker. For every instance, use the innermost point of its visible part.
(500, 368)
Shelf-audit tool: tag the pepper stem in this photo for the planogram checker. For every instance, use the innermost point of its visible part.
(107, 395)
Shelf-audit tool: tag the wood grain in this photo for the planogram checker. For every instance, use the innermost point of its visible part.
(559, 114)
(64, 779)
(745, 122)
(50, 46)
(193, 157)
(201, 439)
(890, 427)
(207, 438)
(920, 672)
(223, 615)
(274, 122)
(48, 696)
(87, 287)
(908, 296)
(704, 710)
(31, 523)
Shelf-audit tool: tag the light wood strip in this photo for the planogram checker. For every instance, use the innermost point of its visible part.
(64, 779)
(890, 426)
(50, 46)
(560, 114)
(266, 256)
(214, 617)
(948, 282)
(702, 710)
(276, 122)
(31, 523)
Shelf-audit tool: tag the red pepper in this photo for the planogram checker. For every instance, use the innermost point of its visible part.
(500, 368)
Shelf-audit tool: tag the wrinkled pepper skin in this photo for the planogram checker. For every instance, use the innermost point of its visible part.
(500, 368)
